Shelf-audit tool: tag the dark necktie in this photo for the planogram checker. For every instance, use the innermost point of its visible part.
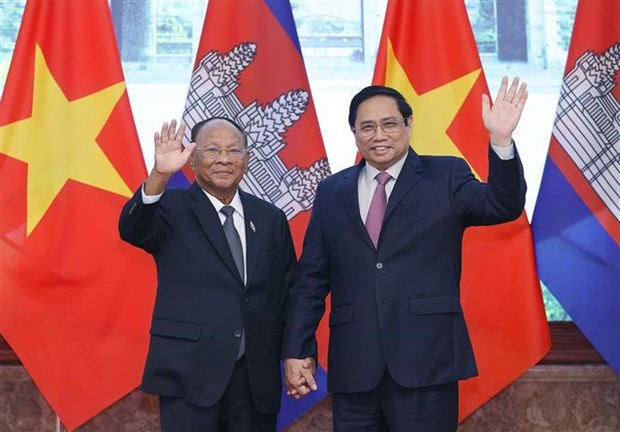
(234, 241)
(376, 211)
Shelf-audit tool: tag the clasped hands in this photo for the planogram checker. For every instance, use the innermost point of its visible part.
(299, 376)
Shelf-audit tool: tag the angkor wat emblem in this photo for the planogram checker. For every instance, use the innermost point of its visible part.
(211, 94)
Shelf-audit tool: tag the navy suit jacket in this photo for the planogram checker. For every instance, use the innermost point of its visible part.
(397, 305)
(201, 301)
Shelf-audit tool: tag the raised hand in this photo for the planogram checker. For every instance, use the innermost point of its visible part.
(502, 118)
(170, 153)
(170, 156)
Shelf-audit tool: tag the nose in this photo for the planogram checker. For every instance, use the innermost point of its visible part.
(379, 133)
(223, 157)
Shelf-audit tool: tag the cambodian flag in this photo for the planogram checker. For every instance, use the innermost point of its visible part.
(576, 221)
(249, 68)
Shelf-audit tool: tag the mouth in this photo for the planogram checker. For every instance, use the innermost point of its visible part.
(223, 173)
(380, 148)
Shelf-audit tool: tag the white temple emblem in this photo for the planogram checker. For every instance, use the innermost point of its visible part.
(587, 123)
(211, 94)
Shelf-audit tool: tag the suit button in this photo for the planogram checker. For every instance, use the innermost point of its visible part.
(237, 333)
(244, 299)
(379, 266)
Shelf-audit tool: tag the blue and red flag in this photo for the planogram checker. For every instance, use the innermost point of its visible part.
(576, 221)
(249, 68)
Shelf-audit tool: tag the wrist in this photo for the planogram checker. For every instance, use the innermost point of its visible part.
(156, 182)
(500, 140)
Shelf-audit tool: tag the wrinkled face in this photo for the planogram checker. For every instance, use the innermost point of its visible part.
(220, 159)
(380, 132)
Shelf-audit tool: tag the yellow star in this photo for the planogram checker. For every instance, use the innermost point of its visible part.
(433, 111)
(59, 142)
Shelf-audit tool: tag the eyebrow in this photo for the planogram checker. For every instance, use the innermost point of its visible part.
(383, 119)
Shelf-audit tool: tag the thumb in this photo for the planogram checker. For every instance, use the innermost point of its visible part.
(486, 103)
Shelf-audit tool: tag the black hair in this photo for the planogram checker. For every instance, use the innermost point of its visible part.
(202, 123)
(375, 90)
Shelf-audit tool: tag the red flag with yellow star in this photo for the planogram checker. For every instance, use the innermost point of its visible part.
(427, 52)
(75, 301)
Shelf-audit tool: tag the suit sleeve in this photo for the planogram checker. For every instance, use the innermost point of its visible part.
(143, 225)
(501, 199)
(289, 261)
(310, 286)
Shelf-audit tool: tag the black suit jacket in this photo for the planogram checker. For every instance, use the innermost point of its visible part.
(397, 305)
(201, 301)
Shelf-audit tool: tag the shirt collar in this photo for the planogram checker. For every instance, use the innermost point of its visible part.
(235, 202)
(369, 172)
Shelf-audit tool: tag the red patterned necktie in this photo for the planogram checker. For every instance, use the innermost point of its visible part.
(376, 211)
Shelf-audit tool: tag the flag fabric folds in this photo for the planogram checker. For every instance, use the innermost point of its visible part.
(249, 68)
(576, 222)
(75, 301)
(427, 51)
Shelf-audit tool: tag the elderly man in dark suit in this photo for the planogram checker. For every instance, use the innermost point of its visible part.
(224, 260)
(385, 239)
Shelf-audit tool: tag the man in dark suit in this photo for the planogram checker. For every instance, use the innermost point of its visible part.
(385, 239)
(224, 261)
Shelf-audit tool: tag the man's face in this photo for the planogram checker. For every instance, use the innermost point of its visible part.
(381, 146)
(219, 159)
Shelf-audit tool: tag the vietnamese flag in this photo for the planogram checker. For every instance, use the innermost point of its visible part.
(75, 301)
(427, 51)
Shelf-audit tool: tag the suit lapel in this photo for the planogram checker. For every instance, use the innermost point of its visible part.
(409, 176)
(350, 201)
(212, 226)
(254, 231)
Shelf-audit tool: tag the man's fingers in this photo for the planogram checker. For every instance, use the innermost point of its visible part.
(501, 93)
(310, 381)
(522, 100)
(308, 363)
(292, 391)
(521, 96)
(513, 89)
(486, 103)
(299, 376)
(302, 390)
(181, 131)
(189, 149)
(164, 131)
(172, 131)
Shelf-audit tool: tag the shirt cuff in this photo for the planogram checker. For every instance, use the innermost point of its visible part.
(149, 199)
(504, 153)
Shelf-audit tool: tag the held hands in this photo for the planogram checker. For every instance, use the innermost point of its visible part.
(299, 376)
(502, 118)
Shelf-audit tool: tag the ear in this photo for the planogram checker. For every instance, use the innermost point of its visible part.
(410, 122)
